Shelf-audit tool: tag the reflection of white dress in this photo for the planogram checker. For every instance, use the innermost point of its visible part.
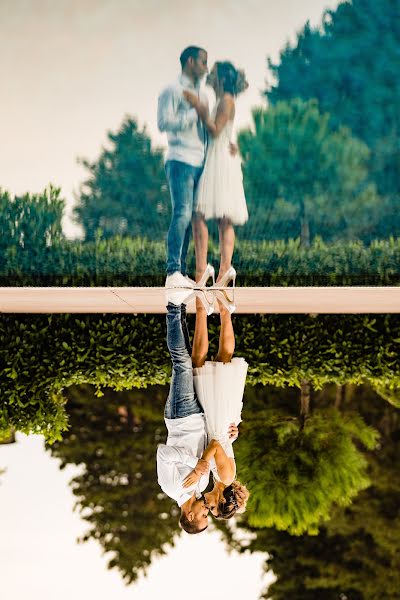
(220, 190)
(219, 389)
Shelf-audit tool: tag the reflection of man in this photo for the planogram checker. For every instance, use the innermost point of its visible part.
(185, 423)
(185, 158)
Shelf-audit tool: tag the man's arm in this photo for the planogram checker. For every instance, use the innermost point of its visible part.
(168, 474)
(175, 454)
(168, 118)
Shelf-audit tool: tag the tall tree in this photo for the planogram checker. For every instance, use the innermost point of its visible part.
(302, 176)
(355, 555)
(115, 440)
(126, 192)
(297, 469)
(350, 64)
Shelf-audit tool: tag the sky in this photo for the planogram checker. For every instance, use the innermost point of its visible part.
(72, 69)
(39, 556)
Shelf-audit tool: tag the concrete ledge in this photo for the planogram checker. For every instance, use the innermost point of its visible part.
(152, 300)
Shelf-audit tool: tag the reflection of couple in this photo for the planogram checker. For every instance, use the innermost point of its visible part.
(205, 398)
(201, 414)
(202, 167)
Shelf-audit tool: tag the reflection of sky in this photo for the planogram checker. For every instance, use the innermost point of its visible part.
(39, 556)
(72, 69)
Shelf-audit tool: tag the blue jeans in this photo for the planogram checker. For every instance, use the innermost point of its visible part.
(182, 180)
(182, 400)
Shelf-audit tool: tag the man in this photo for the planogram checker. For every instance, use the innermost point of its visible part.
(187, 141)
(185, 423)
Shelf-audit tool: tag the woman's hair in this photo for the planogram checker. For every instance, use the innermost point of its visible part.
(236, 496)
(233, 80)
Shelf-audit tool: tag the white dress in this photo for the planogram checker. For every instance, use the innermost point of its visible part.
(220, 190)
(219, 389)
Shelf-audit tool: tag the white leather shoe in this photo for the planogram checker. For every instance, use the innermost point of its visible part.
(191, 281)
(209, 272)
(178, 296)
(177, 280)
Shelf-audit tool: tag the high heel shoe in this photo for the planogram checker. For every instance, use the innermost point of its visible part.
(227, 277)
(223, 297)
(201, 294)
(209, 272)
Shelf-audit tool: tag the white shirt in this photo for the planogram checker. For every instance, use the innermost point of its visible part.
(187, 136)
(177, 458)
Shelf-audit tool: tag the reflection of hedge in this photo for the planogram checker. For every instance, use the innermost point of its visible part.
(42, 355)
(121, 262)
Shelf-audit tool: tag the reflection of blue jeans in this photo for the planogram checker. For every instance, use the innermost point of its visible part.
(182, 179)
(182, 400)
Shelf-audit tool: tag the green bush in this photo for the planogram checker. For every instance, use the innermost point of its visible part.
(43, 355)
(140, 262)
(296, 474)
(30, 223)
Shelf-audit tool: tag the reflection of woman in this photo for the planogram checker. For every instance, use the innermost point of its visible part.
(219, 386)
(220, 192)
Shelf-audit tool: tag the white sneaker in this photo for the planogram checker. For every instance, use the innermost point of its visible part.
(191, 281)
(178, 296)
(177, 280)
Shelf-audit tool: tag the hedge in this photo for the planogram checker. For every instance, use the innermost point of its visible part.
(41, 355)
(140, 262)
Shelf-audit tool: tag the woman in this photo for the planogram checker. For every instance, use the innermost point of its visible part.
(220, 192)
(228, 495)
(219, 386)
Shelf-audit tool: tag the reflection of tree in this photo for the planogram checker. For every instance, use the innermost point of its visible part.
(303, 178)
(125, 192)
(117, 492)
(355, 555)
(363, 99)
(297, 469)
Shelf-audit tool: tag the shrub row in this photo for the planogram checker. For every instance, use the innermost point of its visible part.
(140, 262)
(43, 355)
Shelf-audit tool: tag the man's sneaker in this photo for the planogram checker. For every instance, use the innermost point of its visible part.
(177, 280)
(178, 296)
(191, 281)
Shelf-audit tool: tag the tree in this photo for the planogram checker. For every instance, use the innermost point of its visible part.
(300, 173)
(126, 192)
(355, 554)
(298, 469)
(115, 440)
(350, 64)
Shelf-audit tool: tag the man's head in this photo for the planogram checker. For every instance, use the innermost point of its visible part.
(194, 62)
(194, 519)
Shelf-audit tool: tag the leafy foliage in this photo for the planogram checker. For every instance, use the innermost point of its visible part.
(126, 192)
(306, 178)
(355, 554)
(44, 354)
(30, 223)
(350, 65)
(296, 475)
(140, 262)
(117, 492)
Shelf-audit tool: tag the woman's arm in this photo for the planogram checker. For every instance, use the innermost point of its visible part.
(225, 112)
(225, 464)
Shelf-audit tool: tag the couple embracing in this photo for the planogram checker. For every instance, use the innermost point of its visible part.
(203, 408)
